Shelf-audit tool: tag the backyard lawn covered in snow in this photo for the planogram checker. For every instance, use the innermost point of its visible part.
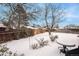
(24, 45)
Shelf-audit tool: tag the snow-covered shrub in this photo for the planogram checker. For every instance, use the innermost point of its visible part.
(4, 51)
(78, 36)
(35, 46)
(42, 42)
(46, 42)
(56, 36)
(53, 37)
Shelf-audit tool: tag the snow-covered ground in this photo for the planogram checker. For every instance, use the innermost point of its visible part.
(24, 46)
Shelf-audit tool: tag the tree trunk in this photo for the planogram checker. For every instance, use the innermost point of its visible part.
(18, 27)
(49, 31)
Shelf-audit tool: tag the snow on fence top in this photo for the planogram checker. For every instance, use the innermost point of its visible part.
(30, 27)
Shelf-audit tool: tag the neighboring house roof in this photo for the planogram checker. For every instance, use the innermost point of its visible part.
(75, 27)
(1, 25)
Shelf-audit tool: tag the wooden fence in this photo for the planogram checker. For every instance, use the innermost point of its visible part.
(7, 36)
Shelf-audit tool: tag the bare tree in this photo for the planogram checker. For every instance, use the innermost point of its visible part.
(55, 14)
(19, 15)
(46, 17)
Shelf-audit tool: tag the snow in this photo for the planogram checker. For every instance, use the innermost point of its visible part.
(30, 27)
(1, 25)
(24, 46)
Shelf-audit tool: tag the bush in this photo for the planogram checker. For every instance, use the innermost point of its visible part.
(53, 37)
(46, 42)
(35, 46)
(4, 51)
(56, 37)
(42, 42)
(25, 32)
(78, 36)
